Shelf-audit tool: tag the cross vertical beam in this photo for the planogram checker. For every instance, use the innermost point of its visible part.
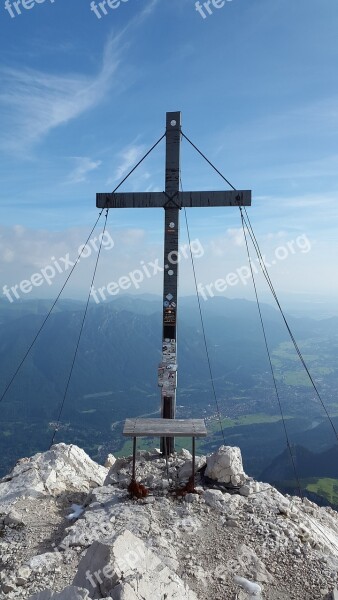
(168, 369)
(172, 200)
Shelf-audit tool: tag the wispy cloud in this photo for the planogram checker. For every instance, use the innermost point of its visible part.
(84, 165)
(34, 102)
(128, 157)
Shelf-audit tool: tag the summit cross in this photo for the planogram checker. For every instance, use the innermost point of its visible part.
(171, 200)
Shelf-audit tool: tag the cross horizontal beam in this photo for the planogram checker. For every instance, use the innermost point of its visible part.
(180, 200)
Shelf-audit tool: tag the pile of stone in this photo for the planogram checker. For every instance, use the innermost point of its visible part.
(71, 532)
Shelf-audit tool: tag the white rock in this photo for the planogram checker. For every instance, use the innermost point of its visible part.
(72, 593)
(102, 522)
(185, 454)
(231, 523)
(7, 585)
(141, 573)
(97, 560)
(113, 475)
(110, 461)
(191, 498)
(69, 593)
(254, 566)
(13, 519)
(105, 495)
(225, 464)
(185, 471)
(124, 592)
(214, 498)
(250, 487)
(78, 510)
(254, 590)
(148, 543)
(22, 575)
(62, 468)
(45, 595)
(45, 562)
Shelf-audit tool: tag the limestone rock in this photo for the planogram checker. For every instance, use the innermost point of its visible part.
(253, 565)
(214, 498)
(45, 562)
(14, 519)
(7, 585)
(22, 575)
(69, 593)
(185, 470)
(96, 571)
(226, 466)
(185, 454)
(191, 498)
(45, 595)
(162, 548)
(250, 487)
(253, 589)
(113, 475)
(110, 461)
(145, 577)
(62, 468)
(128, 570)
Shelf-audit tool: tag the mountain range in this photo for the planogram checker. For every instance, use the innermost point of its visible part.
(115, 375)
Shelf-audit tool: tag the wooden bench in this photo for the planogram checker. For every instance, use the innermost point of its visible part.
(164, 428)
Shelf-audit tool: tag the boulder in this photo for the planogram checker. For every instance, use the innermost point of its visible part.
(128, 570)
(145, 576)
(226, 466)
(63, 468)
(96, 571)
(185, 470)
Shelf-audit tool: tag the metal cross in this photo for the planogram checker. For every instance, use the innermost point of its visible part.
(172, 200)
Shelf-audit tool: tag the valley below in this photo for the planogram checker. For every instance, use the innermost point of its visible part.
(115, 377)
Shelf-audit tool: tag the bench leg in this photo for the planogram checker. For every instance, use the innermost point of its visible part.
(166, 456)
(134, 459)
(193, 461)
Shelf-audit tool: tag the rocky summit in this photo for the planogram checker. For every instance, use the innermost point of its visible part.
(69, 530)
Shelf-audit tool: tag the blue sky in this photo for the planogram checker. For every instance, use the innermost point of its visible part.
(83, 98)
